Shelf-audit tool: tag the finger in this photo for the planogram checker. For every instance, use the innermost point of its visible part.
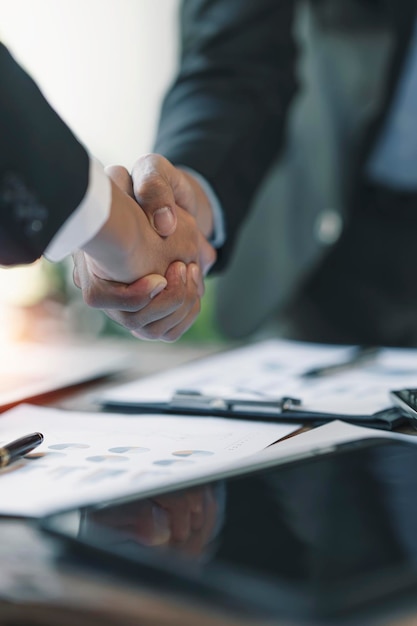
(80, 272)
(153, 526)
(196, 499)
(171, 298)
(108, 295)
(154, 193)
(171, 313)
(204, 535)
(180, 329)
(162, 306)
(153, 332)
(194, 274)
(200, 537)
(190, 309)
(170, 327)
(121, 177)
(76, 278)
(143, 521)
(196, 521)
(178, 510)
(195, 544)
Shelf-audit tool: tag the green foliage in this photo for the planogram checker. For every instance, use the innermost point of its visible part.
(204, 328)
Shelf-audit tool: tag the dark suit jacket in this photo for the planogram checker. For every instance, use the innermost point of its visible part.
(43, 168)
(225, 116)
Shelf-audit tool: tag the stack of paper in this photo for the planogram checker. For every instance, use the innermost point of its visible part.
(90, 457)
(276, 368)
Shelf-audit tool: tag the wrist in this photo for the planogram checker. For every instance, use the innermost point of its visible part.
(203, 209)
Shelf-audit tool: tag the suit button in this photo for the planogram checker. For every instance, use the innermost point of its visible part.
(328, 227)
(36, 226)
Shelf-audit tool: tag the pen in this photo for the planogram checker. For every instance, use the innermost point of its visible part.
(19, 447)
(360, 356)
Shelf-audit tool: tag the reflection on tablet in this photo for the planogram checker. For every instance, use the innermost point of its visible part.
(320, 537)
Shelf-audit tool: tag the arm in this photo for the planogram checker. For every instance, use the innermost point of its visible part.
(225, 113)
(46, 178)
(47, 181)
(44, 170)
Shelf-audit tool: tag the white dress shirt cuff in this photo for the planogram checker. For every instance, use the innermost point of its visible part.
(219, 231)
(87, 219)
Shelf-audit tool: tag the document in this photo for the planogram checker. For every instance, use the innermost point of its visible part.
(31, 370)
(270, 370)
(90, 457)
(325, 438)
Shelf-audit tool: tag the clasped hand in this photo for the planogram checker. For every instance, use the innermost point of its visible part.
(186, 520)
(146, 273)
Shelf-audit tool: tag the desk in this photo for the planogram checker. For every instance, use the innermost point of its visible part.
(37, 589)
(32, 583)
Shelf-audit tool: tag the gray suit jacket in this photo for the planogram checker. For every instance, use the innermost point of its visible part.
(228, 115)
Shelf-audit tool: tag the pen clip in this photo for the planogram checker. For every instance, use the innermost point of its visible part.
(188, 400)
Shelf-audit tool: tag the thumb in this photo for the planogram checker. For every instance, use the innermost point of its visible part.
(164, 220)
(155, 195)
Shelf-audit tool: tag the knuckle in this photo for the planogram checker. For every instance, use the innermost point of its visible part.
(128, 303)
(152, 188)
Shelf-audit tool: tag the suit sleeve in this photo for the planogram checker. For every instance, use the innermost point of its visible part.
(224, 115)
(44, 170)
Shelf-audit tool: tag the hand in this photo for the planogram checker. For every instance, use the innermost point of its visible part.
(162, 190)
(136, 306)
(159, 187)
(185, 520)
(153, 307)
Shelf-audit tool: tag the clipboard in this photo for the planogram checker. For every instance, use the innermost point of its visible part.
(320, 383)
(285, 409)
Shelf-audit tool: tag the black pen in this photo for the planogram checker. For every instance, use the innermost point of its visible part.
(19, 447)
(360, 356)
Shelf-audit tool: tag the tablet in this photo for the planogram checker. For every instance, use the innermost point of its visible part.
(330, 538)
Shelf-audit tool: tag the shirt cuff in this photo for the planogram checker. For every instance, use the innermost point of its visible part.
(219, 231)
(87, 219)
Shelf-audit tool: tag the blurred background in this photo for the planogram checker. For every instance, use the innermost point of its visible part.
(104, 66)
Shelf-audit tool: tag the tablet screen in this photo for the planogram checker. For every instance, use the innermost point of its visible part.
(321, 536)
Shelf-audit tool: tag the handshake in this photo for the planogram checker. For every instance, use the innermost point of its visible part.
(145, 268)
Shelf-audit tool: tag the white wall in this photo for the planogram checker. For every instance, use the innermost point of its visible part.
(103, 64)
